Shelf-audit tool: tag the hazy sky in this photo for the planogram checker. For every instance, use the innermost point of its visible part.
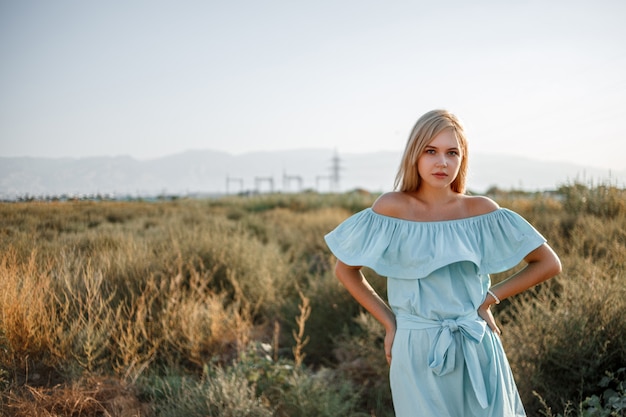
(544, 79)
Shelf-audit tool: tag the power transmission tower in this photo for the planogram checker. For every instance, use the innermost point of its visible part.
(335, 169)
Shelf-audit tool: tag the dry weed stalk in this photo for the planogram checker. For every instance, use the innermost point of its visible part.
(134, 338)
(29, 312)
(276, 340)
(95, 318)
(301, 341)
(197, 323)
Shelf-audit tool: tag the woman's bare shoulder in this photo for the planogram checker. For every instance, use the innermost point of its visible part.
(391, 204)
(478, 205)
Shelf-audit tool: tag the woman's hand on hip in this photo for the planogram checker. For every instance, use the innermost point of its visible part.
(487, 315)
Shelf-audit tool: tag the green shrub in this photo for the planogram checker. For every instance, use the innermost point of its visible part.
(224, 393)
(603, 200)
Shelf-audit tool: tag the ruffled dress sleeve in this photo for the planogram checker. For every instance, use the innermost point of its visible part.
(407, 249)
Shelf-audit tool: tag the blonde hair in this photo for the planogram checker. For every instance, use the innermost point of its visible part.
(426, 128)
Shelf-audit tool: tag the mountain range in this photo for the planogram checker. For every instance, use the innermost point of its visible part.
(214, 172)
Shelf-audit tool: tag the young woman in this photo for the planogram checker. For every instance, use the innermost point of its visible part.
(437, 247)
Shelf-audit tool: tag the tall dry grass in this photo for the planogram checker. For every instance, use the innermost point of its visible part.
(563, 338)
(230, 307)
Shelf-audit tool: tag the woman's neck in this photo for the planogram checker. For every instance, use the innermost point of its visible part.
(435, 197)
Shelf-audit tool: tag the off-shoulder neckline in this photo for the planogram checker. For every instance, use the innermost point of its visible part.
(434, 222)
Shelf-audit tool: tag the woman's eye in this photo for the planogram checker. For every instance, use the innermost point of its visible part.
(430, 151)
(453, 153)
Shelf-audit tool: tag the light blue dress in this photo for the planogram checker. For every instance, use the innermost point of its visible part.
(445, 360)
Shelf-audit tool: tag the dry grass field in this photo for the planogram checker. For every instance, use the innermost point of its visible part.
(229, 307)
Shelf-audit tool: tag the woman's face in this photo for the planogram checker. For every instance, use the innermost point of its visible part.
(440, 162)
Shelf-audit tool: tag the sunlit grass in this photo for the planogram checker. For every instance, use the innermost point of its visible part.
(230, 307)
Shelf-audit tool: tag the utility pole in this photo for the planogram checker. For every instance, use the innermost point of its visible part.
(287, 180)
(260, 180)
(236, 180)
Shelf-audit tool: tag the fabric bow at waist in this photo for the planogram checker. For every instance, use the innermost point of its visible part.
(442, 353)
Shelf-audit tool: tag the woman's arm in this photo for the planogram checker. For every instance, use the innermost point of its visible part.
(543, 264)
(352, 278)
